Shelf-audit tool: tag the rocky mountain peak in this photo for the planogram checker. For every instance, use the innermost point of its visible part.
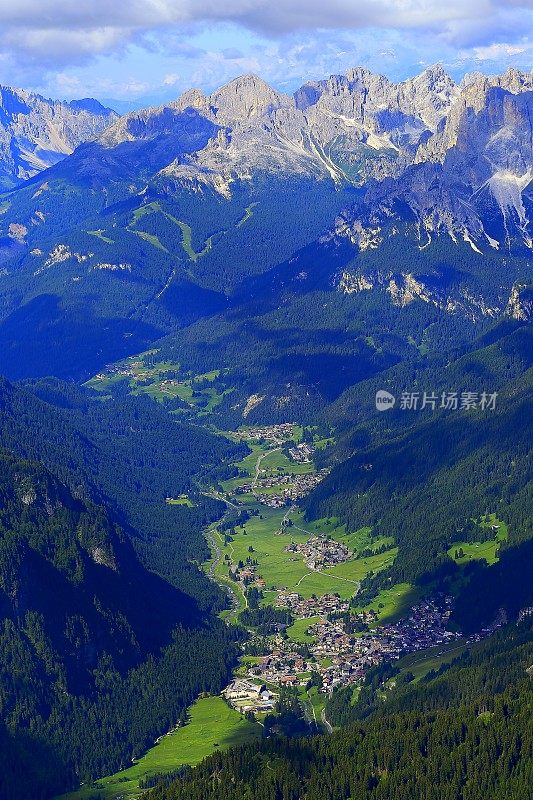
(435, 73)
(192, 98)
(443, 150)
(36, 132)
(92, 106)
(245, 97)
(362, 75)
(516, 81)
(430, 95)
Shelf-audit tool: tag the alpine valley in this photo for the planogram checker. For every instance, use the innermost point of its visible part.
(225, 570)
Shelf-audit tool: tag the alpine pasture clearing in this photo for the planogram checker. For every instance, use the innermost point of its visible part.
(213, 725)
(422, 662)
(283, 570)
(391, 604)
(488, 550)
(153, 380)
(182, 500)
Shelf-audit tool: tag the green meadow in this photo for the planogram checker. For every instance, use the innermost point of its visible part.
(100, 234)
(248, 213)
(419, 664)
(182, 500)
(273, 463)
(186, 231)
(281, 569)
(488, 551)
(212, 725)
(391, 604)
(318, 703)
(149, 379)
(298, 631)
(186, 241)
(151, 239)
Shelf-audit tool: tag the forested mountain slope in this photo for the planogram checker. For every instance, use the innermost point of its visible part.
(425, 487)
(130, 454)
(269, 259)
(93, 661)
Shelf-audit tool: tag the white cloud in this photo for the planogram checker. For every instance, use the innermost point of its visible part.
(496, 51)
(154, 49)
(61, 31)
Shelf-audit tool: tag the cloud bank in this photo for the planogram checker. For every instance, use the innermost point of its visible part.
(59, 32)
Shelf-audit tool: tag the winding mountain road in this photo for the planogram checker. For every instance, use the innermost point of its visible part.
(258, 463)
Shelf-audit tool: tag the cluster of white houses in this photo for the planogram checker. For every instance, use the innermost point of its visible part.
(275, 435)
(302, 453)
(302, 607)
(247, 696)
(283, 666)
(352, 656)
(291, 488)
(321, 551)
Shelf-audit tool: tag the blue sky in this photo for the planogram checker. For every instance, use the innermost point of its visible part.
(149, 51)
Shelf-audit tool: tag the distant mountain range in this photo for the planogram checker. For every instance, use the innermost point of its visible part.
(360, 127)
(36, 133)
(351, 128)
(167, 215)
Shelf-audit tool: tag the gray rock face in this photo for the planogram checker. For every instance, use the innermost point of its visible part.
(36, 133)
(348, 128)
(470, 179)
(520, 305)
(448, 153)
(445, 158)
(404, 288)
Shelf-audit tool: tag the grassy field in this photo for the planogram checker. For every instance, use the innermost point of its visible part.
(391, 604)
(357, 541)
(474, 551)
(315, 702)
(245, 662)
(186, 231)
(273, 463)
(101, 235)
(213, 725)
(220, 574)
(297, 631)
(182, 500)
(423, 662)
(138, 369)
(288, 570)
(186, 241)
(318, 701)
(488, 551)
(151, 239)
(248, 213)
(151, 380)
